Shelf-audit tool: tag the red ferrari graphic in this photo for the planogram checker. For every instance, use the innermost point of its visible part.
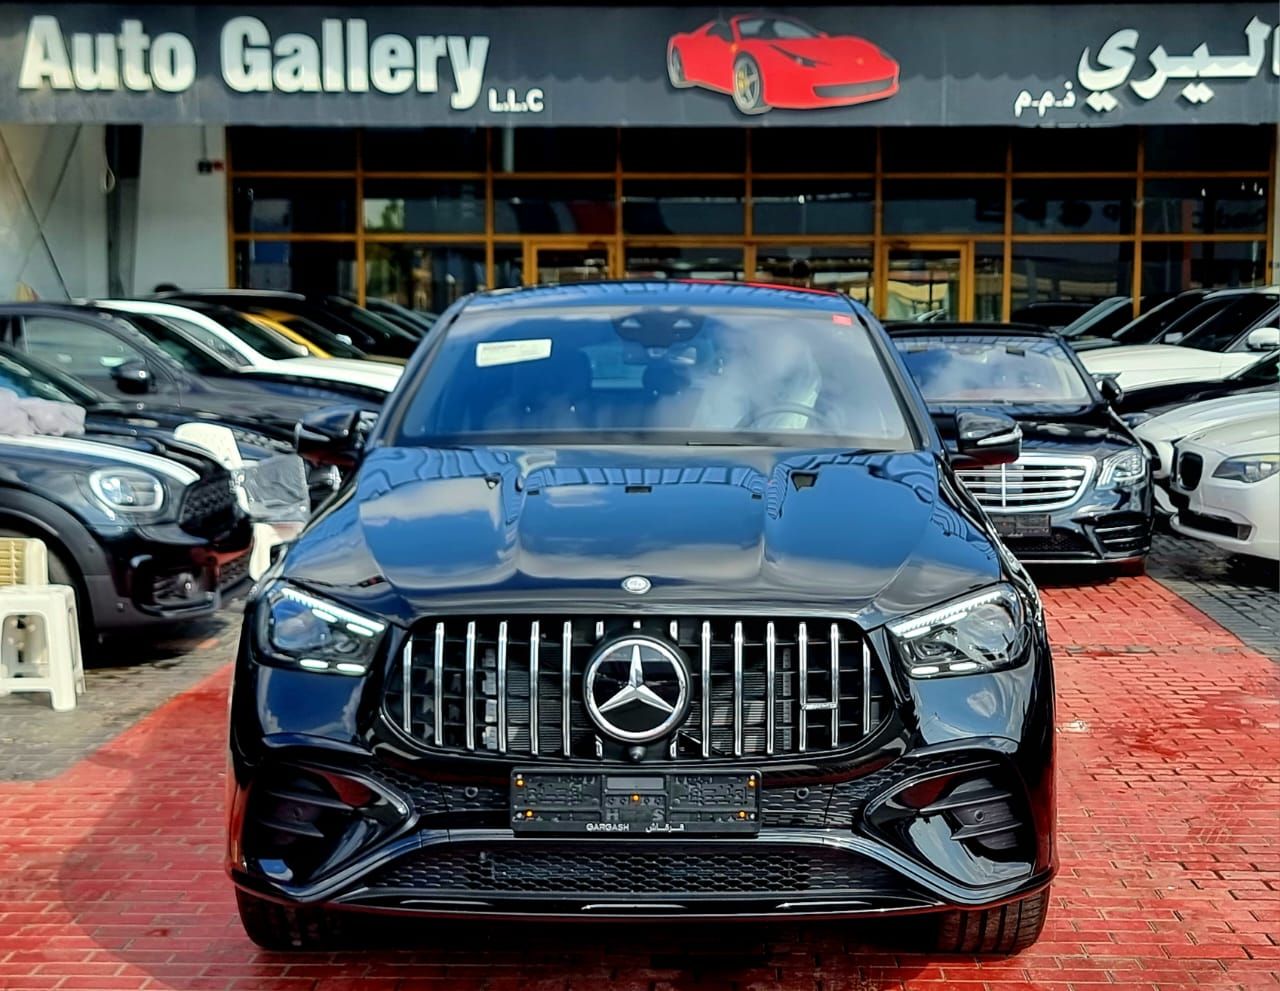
(765, 62)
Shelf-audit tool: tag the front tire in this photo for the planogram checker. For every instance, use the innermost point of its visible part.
(748, 86)
(675, 69)
(999, 931)
(290, 928)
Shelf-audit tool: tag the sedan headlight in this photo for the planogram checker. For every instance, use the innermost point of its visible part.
(1250, 468)
(127, 490)
(977, 634)
(315, 634)
(1124, 470)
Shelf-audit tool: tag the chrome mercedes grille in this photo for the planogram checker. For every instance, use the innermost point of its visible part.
(1033, 483)
(759, 687)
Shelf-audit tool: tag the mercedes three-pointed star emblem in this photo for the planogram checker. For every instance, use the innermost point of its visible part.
(637, 688)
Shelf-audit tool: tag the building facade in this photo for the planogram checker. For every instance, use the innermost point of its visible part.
(975, 162)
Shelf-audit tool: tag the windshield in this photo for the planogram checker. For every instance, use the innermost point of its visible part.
(998, 369)
(223, 349)
(330, 343)
(31, 381)
(659, 375)
(1225, 325)
(265, 342)
(171, 341)
(774, 28)
(1264, 372)
(1150, 325)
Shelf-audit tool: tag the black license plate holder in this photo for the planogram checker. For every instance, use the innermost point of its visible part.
(634, 803)
(1023, 525)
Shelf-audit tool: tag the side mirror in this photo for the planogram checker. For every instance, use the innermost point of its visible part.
(1111, 390)
(1263, 339)
(133, 376)
(345, 339)
(332, 436)
(987, 438)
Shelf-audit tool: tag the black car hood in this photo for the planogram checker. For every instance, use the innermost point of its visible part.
(139, 424)
(422, 529)
(1047, 427)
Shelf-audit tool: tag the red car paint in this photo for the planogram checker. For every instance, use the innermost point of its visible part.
(797, 67)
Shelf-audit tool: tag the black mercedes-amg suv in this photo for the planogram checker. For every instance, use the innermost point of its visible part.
(652, 600)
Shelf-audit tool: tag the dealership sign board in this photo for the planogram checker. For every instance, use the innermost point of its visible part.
(1026, 65)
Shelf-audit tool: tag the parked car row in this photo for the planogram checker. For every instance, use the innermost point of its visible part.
(150, 521)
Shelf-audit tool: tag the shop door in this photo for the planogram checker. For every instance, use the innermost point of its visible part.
(926, 282)
(556, 264)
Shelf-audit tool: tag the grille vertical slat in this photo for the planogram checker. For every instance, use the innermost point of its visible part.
(502, 687)
(566, 675)
(754, 685)
(534, 686)
(804, 686)
(770, 673)
(438, 684)
(469, 685)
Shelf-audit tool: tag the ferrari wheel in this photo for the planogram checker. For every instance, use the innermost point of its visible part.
(748, 86)
(675, 69)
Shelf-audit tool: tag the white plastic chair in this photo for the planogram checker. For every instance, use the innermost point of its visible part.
(39, 628)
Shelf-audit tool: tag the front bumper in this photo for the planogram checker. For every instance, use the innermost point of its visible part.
(1111, 530)
(156, 575)
(1239, 517)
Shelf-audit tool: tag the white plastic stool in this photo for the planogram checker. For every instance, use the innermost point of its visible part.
(265, 537)
(39, 628)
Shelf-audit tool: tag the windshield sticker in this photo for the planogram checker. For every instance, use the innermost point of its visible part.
(491, 353)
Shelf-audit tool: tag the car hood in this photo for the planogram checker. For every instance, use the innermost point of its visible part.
(1147, 364)
(374, 374)
(1185, 420)
(86, 453)
(1259, 434)
(423, 529)
(829, 49)
(1050, 425)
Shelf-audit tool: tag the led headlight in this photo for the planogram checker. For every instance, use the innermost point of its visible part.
(315, 634)
(1250, 468)
(127, 490)
(1124, 470)
(977, 634)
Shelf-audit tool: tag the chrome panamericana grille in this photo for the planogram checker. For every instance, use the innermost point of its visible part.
(759, 687)
(1033, 483)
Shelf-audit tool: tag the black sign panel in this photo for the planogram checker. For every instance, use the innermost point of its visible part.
(412, 65)
(635, 803)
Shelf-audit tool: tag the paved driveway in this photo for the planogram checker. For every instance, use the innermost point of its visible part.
(110, 871)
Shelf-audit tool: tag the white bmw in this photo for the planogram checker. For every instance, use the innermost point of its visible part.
(1160, 433)
(1226, 484)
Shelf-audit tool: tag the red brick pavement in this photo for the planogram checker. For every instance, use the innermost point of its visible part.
(110, 876)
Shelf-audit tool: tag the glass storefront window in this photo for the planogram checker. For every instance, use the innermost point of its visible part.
(550, 206)
(1204, 206)
(924, 284)
(813, 206)
(1075, 149)
(424, 206)
(988, 282)
(684, 149)
(424, 149)
(1170, 267)
(291, 149)
(508, 266)
(943, 149)
(294, 206)
(1209, 147)
(423, 277)
(683, 263)
(679, 206)
(303, 266)
(812, 149)
(845, 270)
(943, 206)
(1073, 206)
(558, 149)
(1065, 272)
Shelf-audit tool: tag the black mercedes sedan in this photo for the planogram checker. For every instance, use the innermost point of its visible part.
(1080, 492)
(649, 600)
